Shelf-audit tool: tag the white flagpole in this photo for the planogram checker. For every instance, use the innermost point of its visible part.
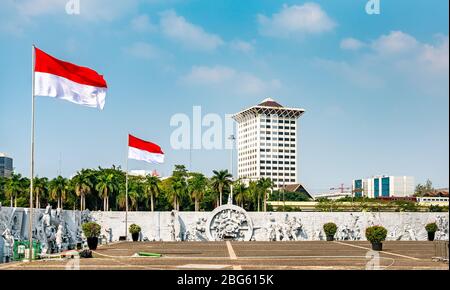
(30, 221)
(126, 196)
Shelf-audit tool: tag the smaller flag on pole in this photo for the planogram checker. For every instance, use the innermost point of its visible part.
(64, 80)
(143, 150)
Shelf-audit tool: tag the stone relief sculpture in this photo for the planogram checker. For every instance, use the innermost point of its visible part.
(442, 223)
(197, 232)
(59, 230)
(288, 230)
(349, 231)
(229, 222)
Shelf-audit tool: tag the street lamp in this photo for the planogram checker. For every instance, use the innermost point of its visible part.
(230, 197)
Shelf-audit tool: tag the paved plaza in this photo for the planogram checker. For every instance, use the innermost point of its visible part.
(356, 255)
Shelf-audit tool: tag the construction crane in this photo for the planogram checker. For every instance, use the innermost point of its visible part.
(341, 188)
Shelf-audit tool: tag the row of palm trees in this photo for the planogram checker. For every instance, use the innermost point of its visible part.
(104, 188)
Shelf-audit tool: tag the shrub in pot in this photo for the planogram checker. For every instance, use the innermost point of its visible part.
(376, 235)
(134, 230)
(431, 230)
(330, 229)
(91, 231)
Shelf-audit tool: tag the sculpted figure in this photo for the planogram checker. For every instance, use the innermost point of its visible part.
(8, 245)
(59, 238)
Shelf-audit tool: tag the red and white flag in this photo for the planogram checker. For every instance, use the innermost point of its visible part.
(64, 80)
(143, 150)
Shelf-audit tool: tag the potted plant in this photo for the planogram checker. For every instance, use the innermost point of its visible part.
(376, 235)
(134, 230)
(91, 231)
(431, 230)
(330, 229)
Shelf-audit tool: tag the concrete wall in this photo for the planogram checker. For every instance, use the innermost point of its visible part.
(351, 226)
(169, 226)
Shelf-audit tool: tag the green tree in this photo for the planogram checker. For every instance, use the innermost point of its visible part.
(241, 193)
(135, 191)
(197, 185)
(40, 188)
(264, 185)
(151, 187)
(220, 180)
(13, 187)
(106, 184)
(424, 189)
(59, 188)
(254, 193)
(83, 184)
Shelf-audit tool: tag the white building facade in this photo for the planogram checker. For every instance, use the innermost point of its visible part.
(267, 143)
(384, 186)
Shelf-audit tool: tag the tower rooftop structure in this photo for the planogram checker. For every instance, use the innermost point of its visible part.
(269, 107)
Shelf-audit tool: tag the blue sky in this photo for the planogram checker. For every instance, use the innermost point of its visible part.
(374, 87)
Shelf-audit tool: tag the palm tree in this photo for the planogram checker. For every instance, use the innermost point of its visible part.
(220, 180)
(254, 192)
(151, 186)
(106, 184)
(178, 185)
(241, 195)
(40, 187)
(14, 186)
(59, 188)
(178, 190)
(264, 185)
(197, 184)
(83, 185)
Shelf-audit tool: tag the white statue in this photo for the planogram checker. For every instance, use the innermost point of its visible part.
(8, 245)
(59, 238)
(46, 218)
(271, 228)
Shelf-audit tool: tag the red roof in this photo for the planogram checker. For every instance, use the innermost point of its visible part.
(270, 103)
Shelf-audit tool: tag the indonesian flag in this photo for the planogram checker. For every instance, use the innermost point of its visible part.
(143, 150)
(63, 80)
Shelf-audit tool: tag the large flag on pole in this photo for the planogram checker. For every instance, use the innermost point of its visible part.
(143, 150)
(64, 80)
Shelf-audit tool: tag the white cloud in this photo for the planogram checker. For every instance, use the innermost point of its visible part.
(226, 78)
(351, 44)
(141, 23)
(201, 75)
(39, 7)
(296, 20)
(144, 50)
(356, 74)
(17, 15)
(396, 57)
(242, 46)
(395, 42)
(436, 57)
(191, 36)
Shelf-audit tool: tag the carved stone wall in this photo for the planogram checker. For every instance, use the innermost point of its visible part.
(58, 230)
(55, 229)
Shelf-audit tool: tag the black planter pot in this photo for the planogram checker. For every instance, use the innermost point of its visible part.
(135, 237)
(377, 246)
(330, 238)
(92, 243)
(431, 236)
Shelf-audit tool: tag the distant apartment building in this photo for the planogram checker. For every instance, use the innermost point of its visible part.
(267, 143)
(6, 165)
(384, 186)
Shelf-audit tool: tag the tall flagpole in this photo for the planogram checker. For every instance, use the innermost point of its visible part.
(126, 197)
(30, 221)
